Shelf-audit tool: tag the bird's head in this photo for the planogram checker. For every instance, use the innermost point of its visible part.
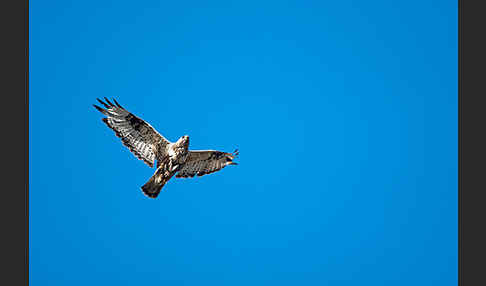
(183, 141)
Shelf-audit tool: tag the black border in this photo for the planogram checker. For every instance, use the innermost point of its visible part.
(26, 168)
(471, 144)
(14, 120)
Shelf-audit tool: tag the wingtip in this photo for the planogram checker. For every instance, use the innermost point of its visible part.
(103, 103)
(116, 102)
(99, 109)
(109, 102)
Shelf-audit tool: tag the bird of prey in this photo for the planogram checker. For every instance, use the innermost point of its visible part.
(148, 145)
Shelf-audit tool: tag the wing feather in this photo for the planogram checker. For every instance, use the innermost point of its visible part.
(141, 139)
(205, 162)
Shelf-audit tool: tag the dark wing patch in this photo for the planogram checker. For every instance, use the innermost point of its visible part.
(205, 162)
(136, 134)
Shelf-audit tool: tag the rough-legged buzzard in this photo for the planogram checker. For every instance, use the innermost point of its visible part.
(148, 145)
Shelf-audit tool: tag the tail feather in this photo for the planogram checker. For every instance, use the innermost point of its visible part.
(155, 184)
(152, 189)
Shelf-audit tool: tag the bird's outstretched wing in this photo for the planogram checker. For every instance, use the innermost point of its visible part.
(136, 134)
(206, 162)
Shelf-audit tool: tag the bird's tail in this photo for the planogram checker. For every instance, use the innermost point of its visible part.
(153, 186)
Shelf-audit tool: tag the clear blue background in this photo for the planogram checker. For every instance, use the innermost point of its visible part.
(345, 113)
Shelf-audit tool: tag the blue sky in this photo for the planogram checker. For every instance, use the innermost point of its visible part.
(345, 114)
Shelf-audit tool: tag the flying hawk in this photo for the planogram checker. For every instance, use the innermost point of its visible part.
(148, 145)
